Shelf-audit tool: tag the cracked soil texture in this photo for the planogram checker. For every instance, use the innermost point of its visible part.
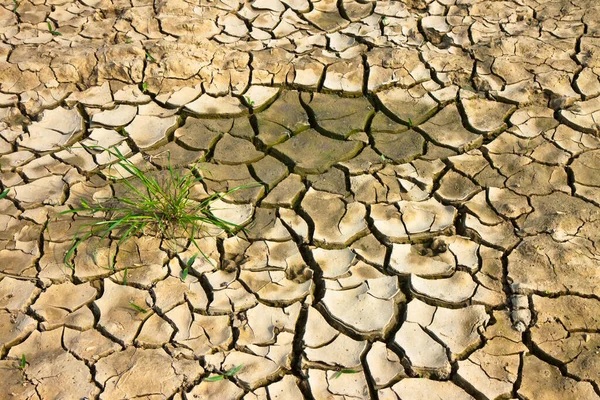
(422, 210)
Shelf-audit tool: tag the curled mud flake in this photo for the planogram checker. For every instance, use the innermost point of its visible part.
(352, 307)
(318, 332)
(414, 105)
(206, 105)
(336, 222)
(484, 116)
(257, 330)
(342, 351)
(421, 260)
(583, 116)
(426, 356)
(49, 190)
(55, 128)
(456, 289)
(150, 131)
(276, 287)
(446, 128)
(230, 298)
(384, 365)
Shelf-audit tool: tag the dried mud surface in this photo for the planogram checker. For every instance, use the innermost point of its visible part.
(423, 219)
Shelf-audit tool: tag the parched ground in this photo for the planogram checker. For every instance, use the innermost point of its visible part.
(424, 221)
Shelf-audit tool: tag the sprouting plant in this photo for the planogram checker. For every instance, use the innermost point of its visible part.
(125, 276)
(383, 158)
(15, 5)
(144, 87)
(150, 58)
(23, 362)
(344, 371)
(128, 41)
(150, 205)
(184, 273)
(249, 101)
(52, 30)
(220, 377)
(188, 264)
(137, 308)
(4, 193)
(410, 123)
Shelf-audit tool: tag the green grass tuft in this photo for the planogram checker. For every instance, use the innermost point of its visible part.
(151, 206)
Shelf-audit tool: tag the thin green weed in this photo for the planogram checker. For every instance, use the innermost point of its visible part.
(220, 377)
(23, 362)
(188, 264)
(137, 308)
(150, 58)
(52, 30)
(344, 371)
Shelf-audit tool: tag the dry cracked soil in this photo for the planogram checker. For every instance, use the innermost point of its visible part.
(422, 209)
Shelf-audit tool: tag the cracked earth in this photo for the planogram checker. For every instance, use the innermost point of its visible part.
(424, 221)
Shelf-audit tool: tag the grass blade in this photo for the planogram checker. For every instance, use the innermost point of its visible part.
(137, 308)
(215, 378)
(344, 371)
(234, 370)
(191, 260)
(71, 251)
